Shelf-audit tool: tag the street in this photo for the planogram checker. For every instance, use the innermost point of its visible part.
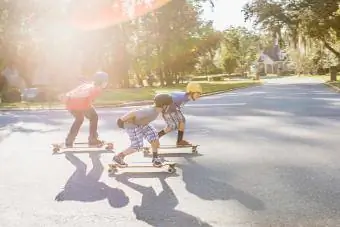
(268, 156)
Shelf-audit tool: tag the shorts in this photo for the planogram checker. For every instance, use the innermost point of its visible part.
(139, 133)
(173, 119)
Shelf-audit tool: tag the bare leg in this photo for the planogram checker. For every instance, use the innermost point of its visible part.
(154, 147)
(128, 151)
(119, 158)
(157, 162)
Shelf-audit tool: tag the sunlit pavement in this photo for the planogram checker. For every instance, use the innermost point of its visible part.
(269, 155)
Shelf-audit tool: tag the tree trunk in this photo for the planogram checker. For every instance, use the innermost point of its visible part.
(168, 77)
(161, 76)
(123, 57)
(139, 79)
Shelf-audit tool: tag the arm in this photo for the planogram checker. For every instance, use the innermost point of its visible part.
(124, 179)
(126, 118)
(129, 116)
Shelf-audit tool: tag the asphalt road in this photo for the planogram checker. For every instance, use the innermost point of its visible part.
(268, 157)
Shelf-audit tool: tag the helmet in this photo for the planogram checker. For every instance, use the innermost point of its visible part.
(193, 87)
(163, 100)
(100, 78)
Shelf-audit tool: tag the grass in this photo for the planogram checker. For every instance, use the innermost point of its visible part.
(334, 83)
(120, 96)
(326, 79)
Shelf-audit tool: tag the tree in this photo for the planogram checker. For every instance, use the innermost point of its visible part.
(314, 19)
(239, 49)
(229, 64)
(167, 41)
(170, 41)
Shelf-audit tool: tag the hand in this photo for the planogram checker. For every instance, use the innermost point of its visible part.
(120, 123)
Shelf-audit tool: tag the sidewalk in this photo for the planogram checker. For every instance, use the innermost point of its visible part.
(47, 106)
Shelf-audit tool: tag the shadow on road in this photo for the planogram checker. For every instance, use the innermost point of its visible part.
(200, 182)
(87, 188)
(159, 210)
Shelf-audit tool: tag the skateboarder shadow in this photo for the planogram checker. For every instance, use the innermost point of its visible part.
(202, 183)
(84, 187)
(159, 210)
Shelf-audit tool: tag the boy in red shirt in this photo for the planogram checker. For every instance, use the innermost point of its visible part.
(79, 103)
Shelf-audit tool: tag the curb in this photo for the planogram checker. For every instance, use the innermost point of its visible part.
(127, 104)
(335, 88)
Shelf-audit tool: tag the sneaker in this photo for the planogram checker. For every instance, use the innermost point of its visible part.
(119, 160)
(157, 162)
(95, 143)
(68, 144)
(183, 143)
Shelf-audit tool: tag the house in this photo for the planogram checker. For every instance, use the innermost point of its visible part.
(272, 60)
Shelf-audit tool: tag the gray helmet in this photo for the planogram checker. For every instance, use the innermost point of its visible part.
(100, 78)
(163, 100)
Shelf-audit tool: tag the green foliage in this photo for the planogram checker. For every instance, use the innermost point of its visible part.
(239, 49)
(301, 19)
(229, 64)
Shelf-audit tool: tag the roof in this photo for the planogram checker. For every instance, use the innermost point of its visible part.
(274, 53)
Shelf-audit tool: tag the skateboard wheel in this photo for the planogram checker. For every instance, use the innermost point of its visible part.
(55, 150)
(112, 170)
(171, 170)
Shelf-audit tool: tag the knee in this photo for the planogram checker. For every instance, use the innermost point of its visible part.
(170, 128)
(181, 123)
(155, 144)
(79, 120)
(94, 117)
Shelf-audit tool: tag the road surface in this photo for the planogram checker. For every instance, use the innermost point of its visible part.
(269, 156)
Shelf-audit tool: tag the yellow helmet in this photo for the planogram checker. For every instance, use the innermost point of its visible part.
(194, 87)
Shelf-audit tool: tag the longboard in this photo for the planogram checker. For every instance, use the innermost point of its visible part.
(147, 150)
(82, 146)
(113, 168)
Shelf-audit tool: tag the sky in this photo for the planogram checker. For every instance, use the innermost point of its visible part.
(226, 13)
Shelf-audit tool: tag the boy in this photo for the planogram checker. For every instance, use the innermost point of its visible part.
(174, 117)
(79, 103)
(137, 125)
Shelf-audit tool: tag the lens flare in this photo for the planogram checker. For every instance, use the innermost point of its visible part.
(92, 14)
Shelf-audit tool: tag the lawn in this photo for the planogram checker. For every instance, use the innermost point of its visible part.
(120, 96)
(325, 77)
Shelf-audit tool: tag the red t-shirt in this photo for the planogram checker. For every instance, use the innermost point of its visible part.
(81, 98)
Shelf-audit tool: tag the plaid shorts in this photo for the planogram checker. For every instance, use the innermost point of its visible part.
(173, 119)
(139, 133)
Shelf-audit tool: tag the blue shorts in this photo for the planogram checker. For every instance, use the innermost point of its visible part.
(139, 133)
(173, 118)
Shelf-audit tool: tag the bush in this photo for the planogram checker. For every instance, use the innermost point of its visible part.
(216, 78)
(200, 78)
(11, 95)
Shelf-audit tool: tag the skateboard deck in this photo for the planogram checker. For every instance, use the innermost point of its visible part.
(113, 168)
(147, 150)
(82, 146)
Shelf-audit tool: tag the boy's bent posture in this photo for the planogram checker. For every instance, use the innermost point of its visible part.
(79, 104)
(137, 125)
(174, 117)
